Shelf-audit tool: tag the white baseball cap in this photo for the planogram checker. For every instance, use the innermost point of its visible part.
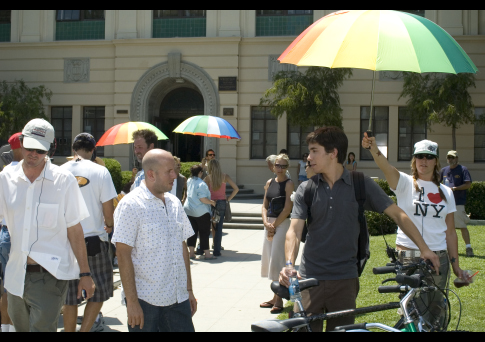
(426, 147)
(38, 134)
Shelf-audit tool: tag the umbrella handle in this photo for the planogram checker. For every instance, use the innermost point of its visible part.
(369, 131)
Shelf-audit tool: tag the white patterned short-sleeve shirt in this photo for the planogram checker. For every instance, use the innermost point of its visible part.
(155, 231)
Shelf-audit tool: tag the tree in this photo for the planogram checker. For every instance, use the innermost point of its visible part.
(310, 98)
(20, 104)
(440, 98)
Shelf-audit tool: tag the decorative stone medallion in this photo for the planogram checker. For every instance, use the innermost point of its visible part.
(76, 70)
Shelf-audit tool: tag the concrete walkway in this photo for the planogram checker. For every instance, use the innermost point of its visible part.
(228, 290)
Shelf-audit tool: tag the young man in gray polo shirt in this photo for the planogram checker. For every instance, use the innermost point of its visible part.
(330, 253)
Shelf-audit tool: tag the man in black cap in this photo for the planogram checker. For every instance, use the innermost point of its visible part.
(98, 192)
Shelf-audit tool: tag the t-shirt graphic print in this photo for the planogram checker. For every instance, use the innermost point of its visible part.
(426, 210)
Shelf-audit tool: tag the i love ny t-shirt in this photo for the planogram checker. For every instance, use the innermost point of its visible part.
(426, 209)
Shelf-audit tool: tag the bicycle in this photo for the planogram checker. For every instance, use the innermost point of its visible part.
(409, 287)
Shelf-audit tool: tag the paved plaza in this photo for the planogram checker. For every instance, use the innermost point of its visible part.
(228, 290)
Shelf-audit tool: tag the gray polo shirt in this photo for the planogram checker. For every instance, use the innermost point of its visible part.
(330, 251)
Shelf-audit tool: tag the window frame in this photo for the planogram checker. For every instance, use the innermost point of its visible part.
(374, 121)
(81, 16)
(62, 120)
(9, 18)
(264, 145)
(94, 132)
(180, 15)
(283, 14)
(475, 160)
(301, 145)
(413, 128)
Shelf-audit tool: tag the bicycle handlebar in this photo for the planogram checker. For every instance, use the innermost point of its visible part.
(394, 289)
(384, 270)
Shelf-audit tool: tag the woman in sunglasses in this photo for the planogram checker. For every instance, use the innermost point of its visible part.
(430, 206)
(276, 209)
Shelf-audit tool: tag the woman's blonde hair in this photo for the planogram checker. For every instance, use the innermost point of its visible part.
(284, 157)
(217, 177)
(435, 179)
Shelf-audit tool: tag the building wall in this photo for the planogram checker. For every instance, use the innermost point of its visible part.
(230, 49)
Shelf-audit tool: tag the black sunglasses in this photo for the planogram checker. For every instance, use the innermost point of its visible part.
(211, 155)
(36, 151)
(279, 166)
(427, 156)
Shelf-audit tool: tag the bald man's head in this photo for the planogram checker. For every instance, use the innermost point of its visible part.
(159, 167)
(153, 159)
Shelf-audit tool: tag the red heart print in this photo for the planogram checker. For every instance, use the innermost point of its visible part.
(435, 198)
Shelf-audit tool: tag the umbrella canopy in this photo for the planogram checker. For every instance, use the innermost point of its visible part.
(208, 126)
(123, 133)
(378, 40)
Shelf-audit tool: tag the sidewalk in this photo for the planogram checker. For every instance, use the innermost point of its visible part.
(228, 290)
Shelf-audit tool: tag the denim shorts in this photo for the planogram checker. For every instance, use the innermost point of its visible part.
(4, 250)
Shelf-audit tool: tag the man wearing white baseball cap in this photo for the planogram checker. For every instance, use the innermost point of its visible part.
(43, 208)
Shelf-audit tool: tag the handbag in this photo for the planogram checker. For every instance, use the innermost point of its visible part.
(277, 205)
(228, 213)
(215, 216)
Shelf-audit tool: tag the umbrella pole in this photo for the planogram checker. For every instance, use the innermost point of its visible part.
(369, 130)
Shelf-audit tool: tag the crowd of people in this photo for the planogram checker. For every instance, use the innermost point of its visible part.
(60, 227)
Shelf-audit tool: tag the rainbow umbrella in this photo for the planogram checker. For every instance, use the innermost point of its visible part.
(123, 133)
(208, 126)
(378, 40)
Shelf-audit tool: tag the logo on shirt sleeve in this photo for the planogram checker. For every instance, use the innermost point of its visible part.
(81, 181)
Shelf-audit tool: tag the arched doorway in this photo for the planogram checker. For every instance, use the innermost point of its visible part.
(177, 106)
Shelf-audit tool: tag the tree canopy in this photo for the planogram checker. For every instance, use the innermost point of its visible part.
(440, 98)
(19, 105)
(310, 98)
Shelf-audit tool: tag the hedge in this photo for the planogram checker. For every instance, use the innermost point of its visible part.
(475, 201)
(114, 168)
(126, 178)
(185, 169)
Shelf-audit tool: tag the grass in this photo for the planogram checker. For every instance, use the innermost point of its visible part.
(472, 297)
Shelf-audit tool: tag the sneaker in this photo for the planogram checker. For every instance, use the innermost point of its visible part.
(98, 326)
(469, 252)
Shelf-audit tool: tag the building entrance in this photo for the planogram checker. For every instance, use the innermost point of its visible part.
(177, 106)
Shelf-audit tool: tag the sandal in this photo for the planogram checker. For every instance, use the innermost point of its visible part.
(276, 310)
(266, 305)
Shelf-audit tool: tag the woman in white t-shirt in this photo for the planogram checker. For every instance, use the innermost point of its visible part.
(430, 206)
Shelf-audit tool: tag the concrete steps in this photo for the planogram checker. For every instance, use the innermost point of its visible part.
(245, 221)
(244, 193)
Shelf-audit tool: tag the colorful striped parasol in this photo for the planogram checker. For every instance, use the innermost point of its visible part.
(208, 126)
(123, 133)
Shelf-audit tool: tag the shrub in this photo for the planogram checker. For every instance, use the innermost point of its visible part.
(474, 201)
(375, 221)
(185, 169)
(126, 178)
(384, 186)
(114, 168)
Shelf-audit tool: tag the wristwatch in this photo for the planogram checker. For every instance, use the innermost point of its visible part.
(81, 275)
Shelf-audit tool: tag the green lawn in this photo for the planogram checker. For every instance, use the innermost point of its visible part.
(473, 316)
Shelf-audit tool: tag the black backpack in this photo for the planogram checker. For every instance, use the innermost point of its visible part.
(363, 253)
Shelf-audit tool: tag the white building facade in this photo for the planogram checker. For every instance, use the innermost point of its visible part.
(107, 67)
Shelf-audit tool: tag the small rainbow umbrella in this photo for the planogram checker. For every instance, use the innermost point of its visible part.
(208, 126)
(123, 133)
(378, 40)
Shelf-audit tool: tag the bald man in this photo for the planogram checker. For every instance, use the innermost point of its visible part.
(151, 229)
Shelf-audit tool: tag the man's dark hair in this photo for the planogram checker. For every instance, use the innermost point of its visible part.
(207, 152)
(195, 170)
(330, 138)
(149, 136)
(84, 144)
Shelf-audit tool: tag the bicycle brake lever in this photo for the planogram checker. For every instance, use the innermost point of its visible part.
(388, 280)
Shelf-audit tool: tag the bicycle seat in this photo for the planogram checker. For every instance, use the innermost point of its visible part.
(283, 292)
(278, 326)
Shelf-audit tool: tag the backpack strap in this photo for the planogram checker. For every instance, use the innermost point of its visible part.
(360, 196)
(308, 196)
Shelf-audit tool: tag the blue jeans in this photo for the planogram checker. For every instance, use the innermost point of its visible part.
(4, 250)
(221, 208)
(173, 318)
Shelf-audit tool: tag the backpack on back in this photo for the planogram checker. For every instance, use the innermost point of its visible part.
(363, 253)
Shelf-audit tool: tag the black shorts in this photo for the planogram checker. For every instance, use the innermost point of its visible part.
(102, 273)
